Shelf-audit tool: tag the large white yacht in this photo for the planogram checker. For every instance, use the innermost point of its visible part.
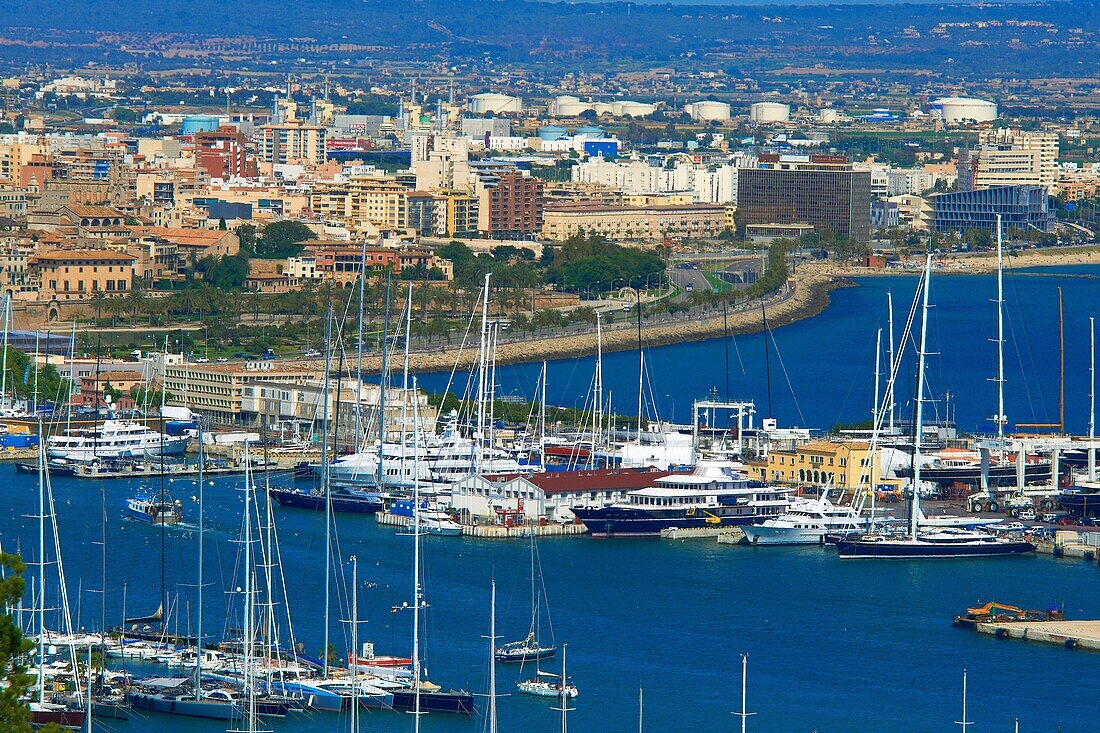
(806, 522)
(113, 440)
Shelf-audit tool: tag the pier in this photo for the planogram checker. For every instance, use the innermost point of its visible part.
(1068, 634)
(728, 535)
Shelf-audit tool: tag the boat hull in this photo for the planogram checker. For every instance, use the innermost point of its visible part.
(67, 719)
(625, 522)
(340, 503)
(1081, 505)
(531, 655)
(757, 534)
(208, 709)
(906, 550)
(461, 703)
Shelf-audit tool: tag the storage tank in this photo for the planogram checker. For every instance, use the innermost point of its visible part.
(708, 110)
(589, 131)
(198, 123)
(551, 132)
(765, 112)
(828, 116)
(634, 109)
(959, 110)
(567, 106)
(495, 103)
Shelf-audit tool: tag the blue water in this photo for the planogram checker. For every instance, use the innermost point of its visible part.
(823, 368)
(833, 646)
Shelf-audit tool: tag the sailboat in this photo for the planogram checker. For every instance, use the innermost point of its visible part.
(549, 684)
(70, 714)
(933, 542)
(424, 696)
(528, 649)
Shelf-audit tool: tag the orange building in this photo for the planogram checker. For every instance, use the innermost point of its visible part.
(77, 274)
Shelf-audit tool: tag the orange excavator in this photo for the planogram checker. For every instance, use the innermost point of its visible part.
(1000, 612)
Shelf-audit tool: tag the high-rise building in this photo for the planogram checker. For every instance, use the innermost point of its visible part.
(512, 208)
(222, 154)
(293, 142)
(819, 190)
(1008, 157)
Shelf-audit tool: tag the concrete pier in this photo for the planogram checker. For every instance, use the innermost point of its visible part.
(733, 534)
(1068, 634)
(494, 531)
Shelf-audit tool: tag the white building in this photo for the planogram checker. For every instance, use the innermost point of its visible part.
(708, 110)
(1009, 157)
(964, 110)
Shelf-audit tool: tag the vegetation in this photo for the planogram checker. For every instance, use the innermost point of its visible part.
(21, 378)
(276, 241)
(14, 714)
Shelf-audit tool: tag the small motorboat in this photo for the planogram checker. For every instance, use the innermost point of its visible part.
(547, 684)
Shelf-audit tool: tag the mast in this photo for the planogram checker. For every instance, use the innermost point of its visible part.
(1061, 365)
(382, 382)
(641, 712)
(878, 373)
(359, 359)
(247, 630)
(416, 566)
(492, 658)
(1000, 342)
(34, 394)
(481, 375)
(542, 416)
(1092, 400)
(405, 383)
(641, 378)
(744, 714)
(890, 326)
(4, 366)
(914, 506)
(354, 644)
(726, 346)
(326, 486)
(198, 635)
(564, 709)
(597, 395)
(41, 567)
(964, 723)
(767, 359)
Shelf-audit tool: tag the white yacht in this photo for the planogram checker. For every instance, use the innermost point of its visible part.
(113, 440)
(806, 522)
(399, 467)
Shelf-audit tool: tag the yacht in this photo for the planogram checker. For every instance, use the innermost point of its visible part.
(946, 542)
(439, 523)
(399, 467)
(716, 494)
(114, 439)
(806, 522)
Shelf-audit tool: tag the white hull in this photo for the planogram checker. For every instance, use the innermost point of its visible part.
(757, 534)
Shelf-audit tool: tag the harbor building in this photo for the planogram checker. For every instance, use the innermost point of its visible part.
(563, 220)
(821, 190)
(820, 463)
(216, 391)
(1020, 207)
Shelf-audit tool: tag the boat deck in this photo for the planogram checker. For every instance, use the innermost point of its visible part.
(1070, 634)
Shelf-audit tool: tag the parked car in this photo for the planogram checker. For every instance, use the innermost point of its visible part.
(221, 360)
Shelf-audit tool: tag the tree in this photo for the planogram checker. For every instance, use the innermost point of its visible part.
(14, 713)
(280, 239)
(125, 115)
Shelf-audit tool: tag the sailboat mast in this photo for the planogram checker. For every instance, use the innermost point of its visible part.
(964, 723)
(914, 507)
(1000, 341)
(641, 379)
(878, 374)
(247, 621)
(542, 416)
(1092, 400)
(198, 635)
(4, 366)
(641, 711)
(597, 398)
(416, 564)
(354, 644)
(744, 690)
(890, 327)
(405, 383)
(326, 486)
(41, 569)
(481, 375)
(492, 659)
(383, 381)
(564, 694)
(359, 431)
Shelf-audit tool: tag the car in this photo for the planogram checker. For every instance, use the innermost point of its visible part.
(1067, 520)
(221, 360)
(201, 360)
(1052, 517)
(311, 354)
(243, 355)
(1015, 527)
(627, 308)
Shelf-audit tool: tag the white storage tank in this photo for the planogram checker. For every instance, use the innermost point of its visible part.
(708, 110)
(496, 103)
(765, 112)
(634, 109)
(568, 106)
(960, 110)
(828, 116)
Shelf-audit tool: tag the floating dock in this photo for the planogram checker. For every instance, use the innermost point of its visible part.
(1068, 634)
(495, 531)
(731, 535)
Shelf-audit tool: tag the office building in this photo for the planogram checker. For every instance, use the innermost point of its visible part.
(1020, 207)
(293, 142)
(512, 208)
(1008, 157)
(823, 191)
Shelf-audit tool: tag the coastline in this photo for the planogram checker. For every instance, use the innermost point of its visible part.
(813, 283)
(811, 296)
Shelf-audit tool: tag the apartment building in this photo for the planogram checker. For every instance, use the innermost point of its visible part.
(512, 206)
(293, 142)
(217, 390)
(1009, 157)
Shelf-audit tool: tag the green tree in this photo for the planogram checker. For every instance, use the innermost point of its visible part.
(125, 115)
(14, 713)
(280, 239)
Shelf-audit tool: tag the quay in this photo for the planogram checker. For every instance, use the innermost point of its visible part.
(495, 531)
(1072, 543)
(729, 535)
(1068, 634)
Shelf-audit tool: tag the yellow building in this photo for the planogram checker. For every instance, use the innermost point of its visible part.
(293, 142)
(820, 463)
(77, 274)
(376, 200)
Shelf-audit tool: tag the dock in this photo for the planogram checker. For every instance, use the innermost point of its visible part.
(731, 535)
(1071, 543)
(494, 531)
(1068, 634)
